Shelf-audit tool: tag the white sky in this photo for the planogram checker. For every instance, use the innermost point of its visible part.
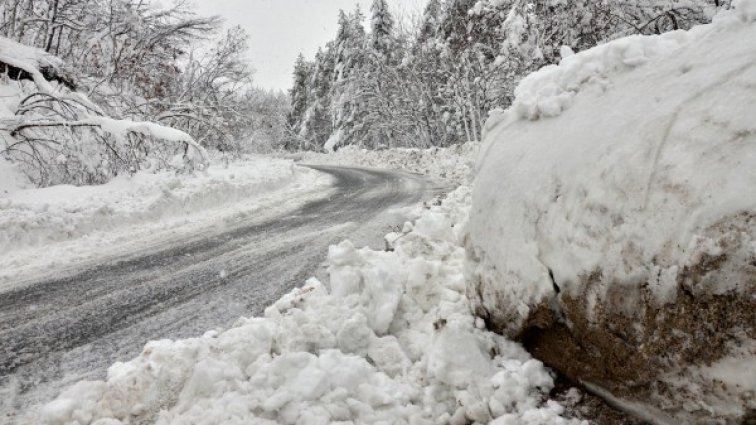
(280, 29)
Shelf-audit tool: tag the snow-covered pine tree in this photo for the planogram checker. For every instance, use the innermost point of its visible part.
(430, 21)
(434, 84)
(347, 106)
(298, 95)
(357, 18)
(316, 126)
(382, 26)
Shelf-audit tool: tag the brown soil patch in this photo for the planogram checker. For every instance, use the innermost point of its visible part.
(629, 341)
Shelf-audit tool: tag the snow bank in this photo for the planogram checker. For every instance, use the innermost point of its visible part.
(618, 194)
(551, 90)
(391, 342)
(453, 163)
(32, 217)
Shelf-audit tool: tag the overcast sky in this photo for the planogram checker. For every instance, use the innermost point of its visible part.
(280, 29)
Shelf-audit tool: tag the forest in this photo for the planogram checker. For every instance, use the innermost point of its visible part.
(430, 80)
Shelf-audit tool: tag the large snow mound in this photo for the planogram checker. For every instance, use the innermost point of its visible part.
(621, 180)
(392, 341)
(633, 173)
(32, 217)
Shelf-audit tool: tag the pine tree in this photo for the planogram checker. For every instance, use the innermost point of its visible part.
(344, 29)
(316, 124)
(430, 21)
(299, 91)
(357, 19)
(434, 84)
(382, 28)
(347, 107)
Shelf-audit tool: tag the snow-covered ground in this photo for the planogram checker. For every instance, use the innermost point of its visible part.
(614, 194)
(389, 339)
(618, 194)
(73, 224)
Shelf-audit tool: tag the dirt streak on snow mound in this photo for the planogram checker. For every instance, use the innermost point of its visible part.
(30, 217)
(392, 341)
(613, 222)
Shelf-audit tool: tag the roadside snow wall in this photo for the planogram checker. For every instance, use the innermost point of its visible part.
(451, 163)
(613, 224)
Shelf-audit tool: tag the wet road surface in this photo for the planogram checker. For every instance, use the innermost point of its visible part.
(59, 331)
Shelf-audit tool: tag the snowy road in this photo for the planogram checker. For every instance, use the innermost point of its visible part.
(56, 332)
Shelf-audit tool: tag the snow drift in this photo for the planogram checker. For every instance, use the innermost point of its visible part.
(613, 225)
(36, 216)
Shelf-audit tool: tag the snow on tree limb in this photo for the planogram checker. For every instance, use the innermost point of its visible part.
(29, 60)
(155, 130)
(113, 126)
(42, 84)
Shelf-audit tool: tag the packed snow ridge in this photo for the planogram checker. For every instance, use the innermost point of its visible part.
(79, 225)
(453, 163)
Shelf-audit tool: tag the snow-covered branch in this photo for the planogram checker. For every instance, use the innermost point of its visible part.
(115, 127)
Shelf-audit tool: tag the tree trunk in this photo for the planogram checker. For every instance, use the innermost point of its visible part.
(53, 14)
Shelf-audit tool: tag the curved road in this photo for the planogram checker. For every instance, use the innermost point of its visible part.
(56, 332)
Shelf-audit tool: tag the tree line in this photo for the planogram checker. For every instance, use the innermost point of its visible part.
(431, 80)
(138, 60)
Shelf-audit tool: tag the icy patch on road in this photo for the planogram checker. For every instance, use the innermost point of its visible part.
(392, 341)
